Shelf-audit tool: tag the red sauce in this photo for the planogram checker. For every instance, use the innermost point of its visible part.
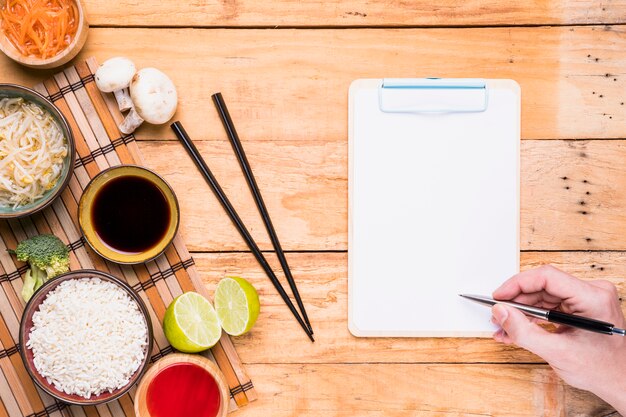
(183, 390)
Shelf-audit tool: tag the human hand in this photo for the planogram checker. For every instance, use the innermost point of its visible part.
(591, 361)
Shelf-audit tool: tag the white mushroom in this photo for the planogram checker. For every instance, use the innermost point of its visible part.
(154, 97)
(114, 76)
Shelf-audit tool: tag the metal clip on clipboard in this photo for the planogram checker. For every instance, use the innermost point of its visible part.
(432, 95)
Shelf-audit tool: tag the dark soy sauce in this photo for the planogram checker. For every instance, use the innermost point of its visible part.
(130, 214)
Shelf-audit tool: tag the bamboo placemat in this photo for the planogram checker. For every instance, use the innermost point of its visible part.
(93, 118)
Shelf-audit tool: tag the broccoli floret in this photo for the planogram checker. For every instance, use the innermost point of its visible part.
(47, 257)
(33, 279)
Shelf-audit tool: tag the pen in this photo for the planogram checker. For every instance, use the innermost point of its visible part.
(553, 316)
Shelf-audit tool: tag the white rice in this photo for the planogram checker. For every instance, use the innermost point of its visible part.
(88, 337)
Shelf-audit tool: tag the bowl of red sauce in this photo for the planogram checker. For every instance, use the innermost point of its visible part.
(181, 385)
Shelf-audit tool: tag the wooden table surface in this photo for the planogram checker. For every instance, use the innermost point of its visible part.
(284, 68)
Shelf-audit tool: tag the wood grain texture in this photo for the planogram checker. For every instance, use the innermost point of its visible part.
(571, 193)
(353, 12)
(293, 84)
(429, 390)
(322, 282)
(304, 186)
(287, 92)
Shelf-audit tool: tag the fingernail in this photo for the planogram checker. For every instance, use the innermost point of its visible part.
(500, 313)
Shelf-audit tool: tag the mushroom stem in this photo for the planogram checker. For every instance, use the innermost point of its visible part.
(131, 122)
(123, 99)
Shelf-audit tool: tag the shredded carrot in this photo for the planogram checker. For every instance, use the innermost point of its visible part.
(40, 28)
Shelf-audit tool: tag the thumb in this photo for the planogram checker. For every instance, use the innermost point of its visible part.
(524, 333)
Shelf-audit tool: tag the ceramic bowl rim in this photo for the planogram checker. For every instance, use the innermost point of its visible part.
(31, 306)
(71, 145)
(165, 243)
(33, 62)
(140, 398)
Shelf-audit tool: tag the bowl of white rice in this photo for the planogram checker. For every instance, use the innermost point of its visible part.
(86, 337)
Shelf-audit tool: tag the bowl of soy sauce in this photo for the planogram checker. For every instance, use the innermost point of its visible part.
(128, 214)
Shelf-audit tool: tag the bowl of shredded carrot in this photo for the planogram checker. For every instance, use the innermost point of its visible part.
(42, 33)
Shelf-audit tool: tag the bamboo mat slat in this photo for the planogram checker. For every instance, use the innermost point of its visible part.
(93, 118)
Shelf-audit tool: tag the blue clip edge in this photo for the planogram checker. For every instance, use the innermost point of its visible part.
(433, 83)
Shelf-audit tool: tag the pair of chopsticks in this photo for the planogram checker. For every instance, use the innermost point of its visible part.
(229, 126)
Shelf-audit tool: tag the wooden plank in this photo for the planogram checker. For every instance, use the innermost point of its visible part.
(92, 116)
(352, 13)
(81, 120)
(82, 150)
(428, 390)
(292, 84)
(3, 410)
(321, 279)
(7, 393)
(104, 116)
(572, 195)
(220, 357)
(18, 396)
(126, 401)
(173, 258)
(77, 411)
(302, 188)
(305, 186)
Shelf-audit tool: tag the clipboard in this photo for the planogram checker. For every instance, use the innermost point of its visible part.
(433, 203)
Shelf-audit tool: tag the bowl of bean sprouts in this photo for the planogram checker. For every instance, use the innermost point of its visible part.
(37, 151)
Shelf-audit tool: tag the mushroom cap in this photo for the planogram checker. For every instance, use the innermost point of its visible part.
(115, 74)
(154, 95)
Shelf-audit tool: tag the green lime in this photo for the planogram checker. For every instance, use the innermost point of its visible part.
(191, 323)
(237, 305)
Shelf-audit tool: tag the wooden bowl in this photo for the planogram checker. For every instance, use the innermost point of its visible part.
(85, 207)
(59, 59)
(26, 325)
(141, 406)
(14, 90)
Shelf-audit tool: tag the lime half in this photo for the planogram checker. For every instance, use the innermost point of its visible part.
(237, 305)
(190, 323)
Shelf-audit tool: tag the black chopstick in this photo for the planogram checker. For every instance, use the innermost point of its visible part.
(231, 132)
(182, 135)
